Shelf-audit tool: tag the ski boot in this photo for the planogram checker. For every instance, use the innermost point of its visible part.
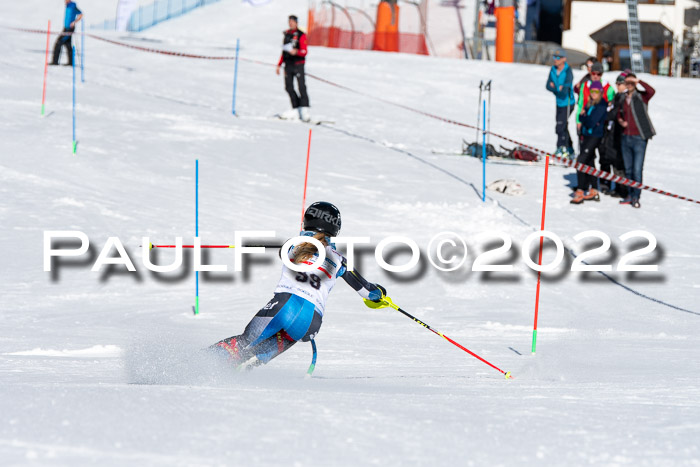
(291, 114)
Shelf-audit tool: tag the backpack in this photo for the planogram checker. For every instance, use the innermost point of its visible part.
(475, 150)
(524, 154)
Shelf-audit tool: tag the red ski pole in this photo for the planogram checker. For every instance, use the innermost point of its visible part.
(386, 301)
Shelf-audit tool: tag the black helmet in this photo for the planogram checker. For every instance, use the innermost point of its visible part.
(322, 217)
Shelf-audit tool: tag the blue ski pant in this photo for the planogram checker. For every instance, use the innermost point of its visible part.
(286, 319)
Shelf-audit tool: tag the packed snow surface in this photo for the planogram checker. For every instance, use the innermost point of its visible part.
(106, 367)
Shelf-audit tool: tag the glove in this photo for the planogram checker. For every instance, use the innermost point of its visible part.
(383, 292)
(379, 302)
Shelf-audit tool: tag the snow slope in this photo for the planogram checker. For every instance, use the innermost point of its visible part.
(613, 381)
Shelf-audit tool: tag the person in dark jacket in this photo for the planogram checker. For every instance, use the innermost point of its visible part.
(65, 39)
(638, 130)
(294, 50)
(611, 147)
(560, 83)
(592, 118)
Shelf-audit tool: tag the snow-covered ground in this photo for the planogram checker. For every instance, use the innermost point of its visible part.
(614, 381)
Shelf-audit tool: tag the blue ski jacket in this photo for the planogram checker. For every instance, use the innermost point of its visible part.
(565, 79)
(72, 12)
(593, 121)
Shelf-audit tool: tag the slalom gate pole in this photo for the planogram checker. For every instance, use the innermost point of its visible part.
(388, 302)
(46, 67)
(82, 50)
(235, 77)
(539, 273)
(75, 141)
(196, 232)
(483, 158)
(312, 367)
(306, 179)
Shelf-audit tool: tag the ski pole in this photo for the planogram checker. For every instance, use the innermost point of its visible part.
(478, 111)
(488, 125)
(386, 301)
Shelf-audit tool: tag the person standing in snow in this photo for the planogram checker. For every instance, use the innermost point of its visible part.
(592, 119)
(584, 92)
(65, 39)
(638, 130)
(295, 311)
(560, 83)
(294, 50)
(611, 146)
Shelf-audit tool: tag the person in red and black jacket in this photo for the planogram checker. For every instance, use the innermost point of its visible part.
(293, 57)
(633, 116)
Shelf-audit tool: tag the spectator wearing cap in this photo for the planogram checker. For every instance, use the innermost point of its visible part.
(584, 92)
(592, 118)
(611, 147)
(589, 63)
(637, 131)
(560, 83)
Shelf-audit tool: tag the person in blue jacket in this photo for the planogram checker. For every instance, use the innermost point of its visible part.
(560, 83)
(65, 39)
(592, 117)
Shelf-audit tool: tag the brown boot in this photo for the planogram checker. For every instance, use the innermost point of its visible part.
(578, 197)
(592, 195)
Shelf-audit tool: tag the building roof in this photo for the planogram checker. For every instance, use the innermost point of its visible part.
(615, 33)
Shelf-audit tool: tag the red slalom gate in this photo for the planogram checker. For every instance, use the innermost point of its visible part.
(306, 179)
(46, 67)
(539, 273)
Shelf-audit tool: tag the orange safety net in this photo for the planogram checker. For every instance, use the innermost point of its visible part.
(339, 29)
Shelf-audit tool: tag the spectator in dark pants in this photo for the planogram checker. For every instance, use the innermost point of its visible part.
(560, 83)
(73, 15)
(638, 130)
(293, 57)
(592, 119)
(611, 147)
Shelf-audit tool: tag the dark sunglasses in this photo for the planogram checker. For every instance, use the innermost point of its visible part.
(595, 73)
(629, 82)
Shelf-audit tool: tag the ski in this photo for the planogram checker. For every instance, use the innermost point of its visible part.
(311, 121)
